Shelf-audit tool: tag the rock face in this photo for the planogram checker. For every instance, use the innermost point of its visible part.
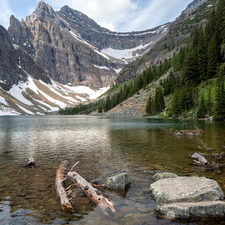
(16, 63)
(193, 5)
(73, 48)
(182, 197)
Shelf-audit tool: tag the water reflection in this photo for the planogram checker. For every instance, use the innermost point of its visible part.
(104, 147)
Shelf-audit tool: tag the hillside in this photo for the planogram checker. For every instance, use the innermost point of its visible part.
(190, 82)
(179, 33)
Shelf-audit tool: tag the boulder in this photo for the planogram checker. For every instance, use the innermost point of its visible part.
(119, 181)
(160, 176)
(193, 209)
(182, 197)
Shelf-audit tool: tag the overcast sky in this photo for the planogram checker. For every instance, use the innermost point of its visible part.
(118, 15)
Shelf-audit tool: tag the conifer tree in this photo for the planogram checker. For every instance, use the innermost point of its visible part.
(220, 98)
(149, 105)
(176, 109)
(202, 55)
(191, 75)
(202, 109)
(212, 58)
(211, 26)
(209, 101)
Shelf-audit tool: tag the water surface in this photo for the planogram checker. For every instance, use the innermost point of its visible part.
(104, 147)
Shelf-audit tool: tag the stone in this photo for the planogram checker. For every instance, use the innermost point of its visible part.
(186, 189)
(159, 176)
(193, 209)
(119, 181)
(184, 197)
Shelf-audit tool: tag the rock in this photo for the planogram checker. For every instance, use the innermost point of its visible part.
(119, 181)
(193, 209)
(159, 176)
(188, 196)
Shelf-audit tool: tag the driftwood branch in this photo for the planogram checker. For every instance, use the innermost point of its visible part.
(95, 195)
(63, 195)
(202, 161)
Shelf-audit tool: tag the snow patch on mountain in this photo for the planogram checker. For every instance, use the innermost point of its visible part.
(93, 94)
(124, 54)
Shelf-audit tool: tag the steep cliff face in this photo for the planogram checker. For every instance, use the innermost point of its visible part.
(193, 5)
(74, 49)
(14, 61)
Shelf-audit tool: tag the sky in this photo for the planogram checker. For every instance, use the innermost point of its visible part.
(116, 15)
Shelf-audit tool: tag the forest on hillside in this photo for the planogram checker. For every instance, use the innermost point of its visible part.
(195, 80)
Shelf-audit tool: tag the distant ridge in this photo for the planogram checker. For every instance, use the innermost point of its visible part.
(193, 5)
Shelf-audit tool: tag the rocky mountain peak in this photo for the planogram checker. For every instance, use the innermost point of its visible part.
(193, 5)
(74, 49)
(44, 12)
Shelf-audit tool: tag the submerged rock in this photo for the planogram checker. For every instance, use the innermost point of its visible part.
(160, 176)
(120, 181)
(183, 197)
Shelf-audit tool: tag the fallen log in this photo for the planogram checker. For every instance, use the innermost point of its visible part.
(202, 161)
(61, 192)
(94, 194)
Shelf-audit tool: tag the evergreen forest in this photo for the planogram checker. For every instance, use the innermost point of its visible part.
(194, 82)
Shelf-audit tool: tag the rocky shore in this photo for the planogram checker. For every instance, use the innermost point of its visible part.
(186, 197)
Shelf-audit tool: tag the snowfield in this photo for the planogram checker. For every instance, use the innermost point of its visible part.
(123, 54)
(34, 97)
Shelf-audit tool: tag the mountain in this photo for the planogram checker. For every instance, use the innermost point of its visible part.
(26, 88)
(179, 33)
(74, 49)
(48, 59)
(193, 5)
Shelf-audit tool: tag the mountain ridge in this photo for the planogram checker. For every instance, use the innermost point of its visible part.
(67, 47)
(80, 52)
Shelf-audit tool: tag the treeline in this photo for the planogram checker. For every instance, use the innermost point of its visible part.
(120, 93)
(79, 109)
(201, 60)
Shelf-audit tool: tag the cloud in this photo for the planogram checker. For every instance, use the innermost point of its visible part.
(5, 13)
(154, 13)
(108, 26)
(110, 12)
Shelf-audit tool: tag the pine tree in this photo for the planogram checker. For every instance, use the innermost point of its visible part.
(202, 109)
(159, 103)
(212, 58)
(202, 55)
(209, 101)
(211, 26)
(176, 109)
(220, 98)
(108, 103)
(149, 105)
(191, 75)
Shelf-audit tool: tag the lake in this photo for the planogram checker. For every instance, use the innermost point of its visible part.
(104, 147)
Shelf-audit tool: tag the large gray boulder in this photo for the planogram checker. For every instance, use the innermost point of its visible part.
(188, 196)
(160, 176)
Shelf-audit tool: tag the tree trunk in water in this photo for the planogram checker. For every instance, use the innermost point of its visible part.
(95, 195)
(63, 195)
